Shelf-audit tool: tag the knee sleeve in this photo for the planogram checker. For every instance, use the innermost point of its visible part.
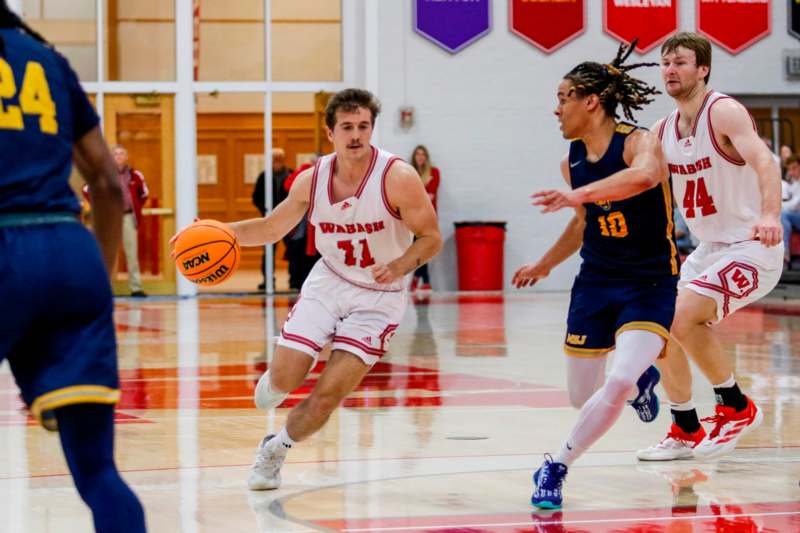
(265, 397)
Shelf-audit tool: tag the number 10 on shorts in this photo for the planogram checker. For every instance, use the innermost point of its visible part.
(350, 247)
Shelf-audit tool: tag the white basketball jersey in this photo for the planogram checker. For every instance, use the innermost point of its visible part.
(719, 197)
(357, 232)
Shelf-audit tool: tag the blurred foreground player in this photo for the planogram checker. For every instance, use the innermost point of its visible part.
(56, 325)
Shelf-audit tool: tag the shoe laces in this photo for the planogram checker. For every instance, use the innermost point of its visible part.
(549, 479)
(268, 459)
(719, 420)
(678, 436)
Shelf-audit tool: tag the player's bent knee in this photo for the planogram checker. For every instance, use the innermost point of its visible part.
(265, 397)
(617, 389)
(578, 398)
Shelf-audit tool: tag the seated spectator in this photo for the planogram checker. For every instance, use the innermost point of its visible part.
(784, 153)
(790, 212)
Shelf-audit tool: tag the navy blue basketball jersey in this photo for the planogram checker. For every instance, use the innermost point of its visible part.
(624, 239)
(43, 110)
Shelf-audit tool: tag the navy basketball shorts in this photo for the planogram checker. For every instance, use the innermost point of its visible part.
(598, 312)
(56, 323)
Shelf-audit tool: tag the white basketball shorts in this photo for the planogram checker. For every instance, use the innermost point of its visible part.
(734, 275)
(354, 319)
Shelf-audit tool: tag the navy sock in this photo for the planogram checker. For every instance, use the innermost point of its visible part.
(87, 437)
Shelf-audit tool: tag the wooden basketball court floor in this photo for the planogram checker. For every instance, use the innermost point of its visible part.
(442, 436)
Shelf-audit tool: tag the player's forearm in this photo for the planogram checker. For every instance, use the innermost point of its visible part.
(567, 244)
(769, 182)
(420, 252)
(619, 186)
(106, 200)
(255, 232)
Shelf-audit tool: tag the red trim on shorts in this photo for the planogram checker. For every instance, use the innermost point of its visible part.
(394, 213)
(360, 345)
(386, 334)
(301, 340)
(313, 187)
(726, 157)
(357, 284)
(724, 289)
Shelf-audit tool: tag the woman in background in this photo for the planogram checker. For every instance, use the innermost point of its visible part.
(421, 161)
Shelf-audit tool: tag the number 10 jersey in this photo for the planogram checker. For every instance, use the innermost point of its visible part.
(362, 230)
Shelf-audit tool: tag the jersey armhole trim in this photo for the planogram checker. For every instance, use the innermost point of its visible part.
(384, 196)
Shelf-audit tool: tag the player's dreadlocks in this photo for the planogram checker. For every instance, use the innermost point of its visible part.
(9, 19)
(612, 83)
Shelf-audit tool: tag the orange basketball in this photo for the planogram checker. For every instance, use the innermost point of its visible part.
(207, 252)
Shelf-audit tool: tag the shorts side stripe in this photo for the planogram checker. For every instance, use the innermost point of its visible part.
(72, 395)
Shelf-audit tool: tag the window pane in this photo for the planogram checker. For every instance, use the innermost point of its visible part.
(140, 40)
(231, 39)
(306, 40)
(71, 26)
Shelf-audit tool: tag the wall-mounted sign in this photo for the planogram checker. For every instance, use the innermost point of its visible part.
(547, 24)
(651, 22)
(452, 24)
(794, 18)
(734, 25)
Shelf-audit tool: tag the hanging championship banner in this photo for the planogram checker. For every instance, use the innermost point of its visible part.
(547, 24)
(794, 18)
(734, 24)
(651, 21)
(452, 24)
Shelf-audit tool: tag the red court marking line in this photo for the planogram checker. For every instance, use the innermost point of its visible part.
(783, 516)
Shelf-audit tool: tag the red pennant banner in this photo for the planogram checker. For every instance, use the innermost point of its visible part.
(547, 24)
(652, 21)
(734, 24)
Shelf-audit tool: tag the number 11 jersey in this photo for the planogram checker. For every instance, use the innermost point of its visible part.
(357, 232)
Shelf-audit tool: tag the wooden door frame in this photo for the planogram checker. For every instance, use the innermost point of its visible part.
(165, 105)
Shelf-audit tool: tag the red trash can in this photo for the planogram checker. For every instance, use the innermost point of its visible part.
(479, 246)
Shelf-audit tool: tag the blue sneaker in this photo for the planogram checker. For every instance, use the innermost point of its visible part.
(646, 403)
(547, 482)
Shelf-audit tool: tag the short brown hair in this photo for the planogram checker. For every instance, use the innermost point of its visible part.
(691, 41)
(349, 100)
(791, 159)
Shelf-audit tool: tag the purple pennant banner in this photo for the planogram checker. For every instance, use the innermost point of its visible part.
(452, 24)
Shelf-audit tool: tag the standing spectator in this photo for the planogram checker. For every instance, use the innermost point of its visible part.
(279, 174)
(134, 195)
(421, 161)
(790, 210)
(301, 250)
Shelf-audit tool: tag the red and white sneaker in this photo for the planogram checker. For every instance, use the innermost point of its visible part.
(729, 427)
(676, 445)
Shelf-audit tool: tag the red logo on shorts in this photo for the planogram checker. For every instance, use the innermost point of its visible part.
(368, 340)
(345, 205)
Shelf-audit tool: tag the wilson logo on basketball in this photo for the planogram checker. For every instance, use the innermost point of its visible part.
(215, 276)
(196, 261)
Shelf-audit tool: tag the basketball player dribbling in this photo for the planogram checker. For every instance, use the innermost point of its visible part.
(728, 187)
(56, 323)
(365, 204)
(623, 298)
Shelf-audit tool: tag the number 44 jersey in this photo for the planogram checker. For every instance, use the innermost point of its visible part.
(357, 232)
(718, 195)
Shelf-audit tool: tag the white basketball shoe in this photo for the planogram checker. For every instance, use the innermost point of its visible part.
(676, 445)
(265, 474)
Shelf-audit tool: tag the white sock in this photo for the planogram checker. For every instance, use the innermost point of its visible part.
(284, 439)
(727, 384)
(685, 406)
